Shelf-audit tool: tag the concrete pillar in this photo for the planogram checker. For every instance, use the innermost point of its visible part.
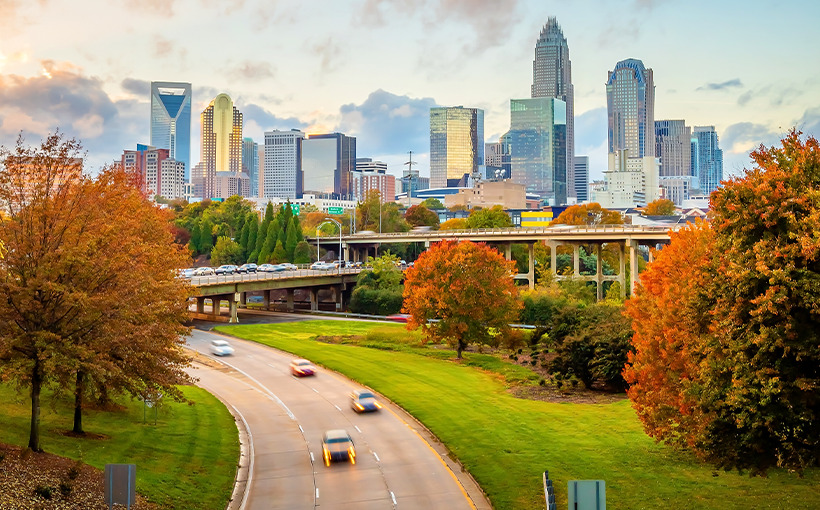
(633, 265)
(232, 306)
(531, 273)
(599, 273)
(289, 300)
(554, 258)
(314, 299)
(508, 251)
(216, 305)
(266, 299)
(243, 299)
(576, 260)
(346, 252)
(338, 296)
(622, 269)
(651, 255)
(200, 304)
(426, 244)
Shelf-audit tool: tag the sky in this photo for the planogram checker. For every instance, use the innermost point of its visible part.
(373, 68)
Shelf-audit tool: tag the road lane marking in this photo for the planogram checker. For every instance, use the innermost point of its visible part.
(357, 428)
(271, 365)
(377, 457)
(317, 492)
(301, 430)
(314, 389)
(393, 496)
(337, 407)
(311, 457)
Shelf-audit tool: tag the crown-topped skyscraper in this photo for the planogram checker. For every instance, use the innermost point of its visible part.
(552, 77)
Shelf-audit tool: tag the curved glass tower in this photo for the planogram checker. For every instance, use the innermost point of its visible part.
(630, 101)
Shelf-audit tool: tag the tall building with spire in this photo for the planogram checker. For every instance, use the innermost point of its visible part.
(221, 149)
(552, 78)
(171, 120)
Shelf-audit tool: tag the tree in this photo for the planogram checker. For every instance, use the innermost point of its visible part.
(747, 347)
(660, 207)
(432, 203)
(226, 251)
(269, 244)
(454, 224)
(378, 290)
(278, 255)
(292, 240)
(253, 234)
(418, 215)
(468, 288)
(88, 280)
(195, 243)
(303, 253)
(591, 214)
(206, 240)
(369, 211)
(494, 217)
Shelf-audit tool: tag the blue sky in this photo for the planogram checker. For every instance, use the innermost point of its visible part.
(373, 68)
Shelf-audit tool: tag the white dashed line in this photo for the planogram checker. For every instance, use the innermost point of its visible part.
(393, 496)
(377, 457)
(317, 493)
(314, 389)
(311, 457)
(358, 429)
(337, 407)
(301, 429)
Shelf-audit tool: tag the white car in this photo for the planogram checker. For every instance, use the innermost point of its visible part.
(322, 266)
(221, 348)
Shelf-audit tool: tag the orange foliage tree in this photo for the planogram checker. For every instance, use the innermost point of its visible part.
(588, 214)
(660, 207)
(467, 288)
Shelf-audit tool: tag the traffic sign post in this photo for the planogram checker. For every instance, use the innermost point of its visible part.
(335, 210)
(295, 209)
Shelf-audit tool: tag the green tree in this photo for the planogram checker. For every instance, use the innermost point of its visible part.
(253, 234)
(269, 245)
(369, 210)
(195, 244)
(433, 203)
(495, 217)
(279, 254)
(206, 242)
(226, 251)
(303, 253)
(418, 216)
(244, 237)
(378, 290)
(292, 240)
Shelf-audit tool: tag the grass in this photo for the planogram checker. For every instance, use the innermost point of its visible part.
(506, 443)
(186, 461)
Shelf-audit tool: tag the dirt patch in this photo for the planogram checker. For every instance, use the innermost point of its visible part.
(87, 435)
(42, 481)
(339, 339)
(550, 393)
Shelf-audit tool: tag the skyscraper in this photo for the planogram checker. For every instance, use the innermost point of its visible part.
(328, 163)
(221, 143)
(709, 158)
(630, 100)
(171, 120)
(282, 164)
(157, 173)
(250, 163)
(552, 77)
(538, 147)
(581, 178)
(456, 145)
(673, 140)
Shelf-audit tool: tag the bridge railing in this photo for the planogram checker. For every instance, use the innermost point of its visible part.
(264, 276)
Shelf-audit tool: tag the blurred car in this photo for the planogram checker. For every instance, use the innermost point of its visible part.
(226, 269)
(355, 265)
(186, 273)
(302, 368)
(364, 401)
(338, 445)
(322, 266)
(221, 348)
(287, 266)
(265, 268)
(278, 268)
(204, 271)
(399, 317)
(247, 268)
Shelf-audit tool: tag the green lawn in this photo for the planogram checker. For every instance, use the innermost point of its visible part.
(506, 443)
(186, 461)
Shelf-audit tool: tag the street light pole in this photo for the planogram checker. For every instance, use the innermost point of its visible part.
(338, 224)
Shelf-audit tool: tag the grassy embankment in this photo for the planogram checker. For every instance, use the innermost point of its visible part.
(186, 461)
(506, 442)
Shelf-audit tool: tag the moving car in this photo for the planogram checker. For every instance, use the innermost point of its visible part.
(226, 269)
(287, 266)
(247, 268)
(363, 401)
(399, 317)
(338, 445)
(322, 266)
(302, 368)
(221, 348)
(204, 271)
(265, 268)
(186, 273)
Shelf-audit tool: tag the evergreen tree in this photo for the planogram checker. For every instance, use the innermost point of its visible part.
(196, 242)
(269, 212)
(292, 241)
(297, 226)
(253, 233)
(243, 238)
(206, 237)
(261, 235)
(270, 243)
(240, 223)
(279, 254)
(303, 253)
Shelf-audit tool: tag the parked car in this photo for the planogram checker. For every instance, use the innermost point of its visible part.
(363, 401)
(247, 268)
(204, 271)
(338, 445)
(221, 348)
(226, 269)
(302, 368)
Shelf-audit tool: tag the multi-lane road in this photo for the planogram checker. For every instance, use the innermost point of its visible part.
(398, 464)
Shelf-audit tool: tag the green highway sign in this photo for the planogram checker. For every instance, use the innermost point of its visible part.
(335, 210)
(295, 208)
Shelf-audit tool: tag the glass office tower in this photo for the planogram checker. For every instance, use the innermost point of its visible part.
(630, 98)
(171, 120)
(250, 163)
(456, 145)
(538, 147)
(328, 163)
(709, 158)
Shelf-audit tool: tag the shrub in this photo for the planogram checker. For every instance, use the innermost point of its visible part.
(44, 491)
(65, 488)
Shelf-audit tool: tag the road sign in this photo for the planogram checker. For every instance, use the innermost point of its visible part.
(335, 210)
(295, 209)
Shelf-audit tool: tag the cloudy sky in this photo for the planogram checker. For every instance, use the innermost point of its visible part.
(373, 68)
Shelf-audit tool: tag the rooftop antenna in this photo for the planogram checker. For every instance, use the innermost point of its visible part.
(409, 176)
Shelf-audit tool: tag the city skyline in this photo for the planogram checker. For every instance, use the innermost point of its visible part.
(378, 83)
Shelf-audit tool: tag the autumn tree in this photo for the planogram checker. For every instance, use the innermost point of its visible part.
(467, 288)
(432, 203)
(494, 217)
(591, 215)
(420, 216)
(88, 280)
(454, 224)
(753, 357)
(660, 207)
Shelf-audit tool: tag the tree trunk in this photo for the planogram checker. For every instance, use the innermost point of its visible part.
(36, 385)
(460, 348)
(79, 388)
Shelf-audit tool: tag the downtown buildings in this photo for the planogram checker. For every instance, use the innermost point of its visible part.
(171, 120)
(219, 173)
(456, 145)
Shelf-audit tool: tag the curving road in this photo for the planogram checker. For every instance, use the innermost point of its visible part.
(286, 417)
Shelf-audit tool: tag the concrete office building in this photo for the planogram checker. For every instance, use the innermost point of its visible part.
(157, 172)
(581, 164)
(250, 164)
(282, 164)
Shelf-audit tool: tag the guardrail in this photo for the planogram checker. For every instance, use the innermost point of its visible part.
(197, 281)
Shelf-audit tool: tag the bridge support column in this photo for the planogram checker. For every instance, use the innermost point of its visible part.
(346, 252)
(243, 299)
(314, 299)
(531, 273)
(599, 276)
(633, 265)
(553, 258)
(200, 304)
(622, 269)
(426, 244)
(266, 299)
(233, 302)
(290, 300)
(338, 297)
(576, 260)
(508, 251)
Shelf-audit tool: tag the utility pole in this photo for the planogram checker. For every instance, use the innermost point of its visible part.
(409, 177)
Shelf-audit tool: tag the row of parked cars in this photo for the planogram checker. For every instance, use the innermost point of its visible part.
(233, 269)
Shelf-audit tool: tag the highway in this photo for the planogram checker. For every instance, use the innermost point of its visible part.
(396, 468)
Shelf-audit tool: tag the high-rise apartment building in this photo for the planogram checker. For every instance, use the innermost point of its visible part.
(538, 147)
(709, 159)
(282, 174)
(171, 120)
(372, 175)
(581, 164)
(456, 145)
(157, 173)
(673, 139)
(497, 161)
(221, 149)
(250, 164)
(630, 99)
(552, 77)
(328, 163)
